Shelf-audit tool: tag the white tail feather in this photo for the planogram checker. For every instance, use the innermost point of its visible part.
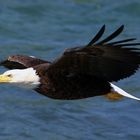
(122, 92)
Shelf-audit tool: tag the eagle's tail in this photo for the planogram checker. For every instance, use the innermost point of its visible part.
(122, 92)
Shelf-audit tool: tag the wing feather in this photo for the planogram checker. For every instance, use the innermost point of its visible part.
(21, 62)
(112, 36)
(111, 62)
(97, 36)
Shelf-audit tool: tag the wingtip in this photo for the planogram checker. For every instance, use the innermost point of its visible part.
(121, 27)
(101, 32)
(97, 36)
(103, 26)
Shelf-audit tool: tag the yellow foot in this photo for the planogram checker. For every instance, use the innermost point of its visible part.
(113, 96)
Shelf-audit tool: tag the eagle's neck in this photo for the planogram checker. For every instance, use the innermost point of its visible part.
(32, 79)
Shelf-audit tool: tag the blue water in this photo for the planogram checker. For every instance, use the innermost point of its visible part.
(44, 29)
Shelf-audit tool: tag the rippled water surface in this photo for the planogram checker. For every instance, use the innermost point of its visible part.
(44, 28)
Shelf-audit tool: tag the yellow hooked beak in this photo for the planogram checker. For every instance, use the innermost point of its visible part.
(5, 78)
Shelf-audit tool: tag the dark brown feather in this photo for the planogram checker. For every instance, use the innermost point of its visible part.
(121, 41)
(21, 62)
(110, 62)
(97, 36)
(72, 87)
(112, 36)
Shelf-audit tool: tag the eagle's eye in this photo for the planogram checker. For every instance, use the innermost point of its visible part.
(9, 75)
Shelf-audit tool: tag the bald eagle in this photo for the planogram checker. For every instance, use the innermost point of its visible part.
(80, 72)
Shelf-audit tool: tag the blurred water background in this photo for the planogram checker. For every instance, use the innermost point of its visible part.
(44, 28)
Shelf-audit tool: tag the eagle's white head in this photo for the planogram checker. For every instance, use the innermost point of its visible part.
(26, 78)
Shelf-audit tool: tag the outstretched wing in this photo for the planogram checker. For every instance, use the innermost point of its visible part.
(21, 62)
(111, 61)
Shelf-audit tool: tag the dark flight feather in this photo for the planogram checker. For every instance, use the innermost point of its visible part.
(121, 41)
(97, 36)
(21, 62)
(111, 62)
(127, 44)
(112, 36)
